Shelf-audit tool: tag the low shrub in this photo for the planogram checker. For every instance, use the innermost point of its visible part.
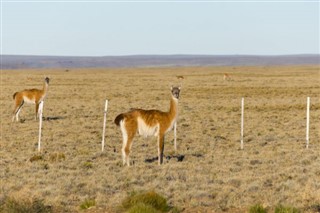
(145, 201)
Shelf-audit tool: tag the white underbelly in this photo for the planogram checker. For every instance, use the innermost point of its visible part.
(146, 130)
(29, 101)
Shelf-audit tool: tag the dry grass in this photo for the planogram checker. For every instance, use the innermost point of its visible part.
(214, 175)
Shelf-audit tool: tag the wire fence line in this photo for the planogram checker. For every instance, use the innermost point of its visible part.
(246, 135)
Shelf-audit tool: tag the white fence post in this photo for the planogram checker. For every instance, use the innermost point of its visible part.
(242, 121)
(308, 121)
(40, 110)
(104, 125)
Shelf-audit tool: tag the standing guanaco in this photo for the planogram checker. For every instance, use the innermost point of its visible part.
(148, 123)
(30, 96)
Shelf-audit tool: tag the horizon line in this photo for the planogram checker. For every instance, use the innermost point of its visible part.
(175, 54)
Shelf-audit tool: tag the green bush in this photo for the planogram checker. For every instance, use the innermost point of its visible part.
(145, 200)
(258, 208)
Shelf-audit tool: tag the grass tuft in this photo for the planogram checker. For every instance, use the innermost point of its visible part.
(36, 158)
(87, 165)
(145, 200)
(286, 209)
(258, 208)
(87, 204)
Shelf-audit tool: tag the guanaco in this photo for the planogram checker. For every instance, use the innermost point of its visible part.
(30, 96)
(180, 77)
(147, 123)
(227, 77)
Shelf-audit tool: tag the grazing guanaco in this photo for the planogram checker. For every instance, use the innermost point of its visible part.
(180, 77)
(30, 96)
(227, 77)
(147, 123)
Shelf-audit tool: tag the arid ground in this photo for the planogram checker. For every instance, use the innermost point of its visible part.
(208, 173)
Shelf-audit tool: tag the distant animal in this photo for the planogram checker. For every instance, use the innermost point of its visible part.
(30, 96)
(227, 77)
(147, 123)
(180, 77)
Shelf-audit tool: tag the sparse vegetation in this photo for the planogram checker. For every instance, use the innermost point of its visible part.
(286, 209)
(214, 175)
(25, 205)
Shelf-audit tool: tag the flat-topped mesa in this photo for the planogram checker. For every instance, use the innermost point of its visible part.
(148, 123)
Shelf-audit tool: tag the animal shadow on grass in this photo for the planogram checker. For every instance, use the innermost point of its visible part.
(179, 158)
(53, 118)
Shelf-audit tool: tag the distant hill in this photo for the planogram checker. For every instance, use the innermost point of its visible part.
(67, 62)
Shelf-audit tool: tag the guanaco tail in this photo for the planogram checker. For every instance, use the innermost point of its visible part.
(30, 96)
(147, 123)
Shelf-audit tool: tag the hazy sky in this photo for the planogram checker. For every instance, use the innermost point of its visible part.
(103, 28)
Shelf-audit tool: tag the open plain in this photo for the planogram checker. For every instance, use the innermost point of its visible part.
(208, 173)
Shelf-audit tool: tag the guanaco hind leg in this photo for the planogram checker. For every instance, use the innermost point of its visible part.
(17, 110)
(127, 137)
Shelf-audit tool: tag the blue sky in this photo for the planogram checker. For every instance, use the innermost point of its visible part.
(103, 28)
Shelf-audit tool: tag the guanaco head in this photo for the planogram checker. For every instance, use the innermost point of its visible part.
(175, 91)
(47, 80)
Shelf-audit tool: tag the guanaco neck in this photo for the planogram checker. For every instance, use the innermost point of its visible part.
(45, 88)
(173, 111)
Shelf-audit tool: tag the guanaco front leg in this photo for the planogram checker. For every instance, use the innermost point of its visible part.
(161, 148)
(37, 110)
